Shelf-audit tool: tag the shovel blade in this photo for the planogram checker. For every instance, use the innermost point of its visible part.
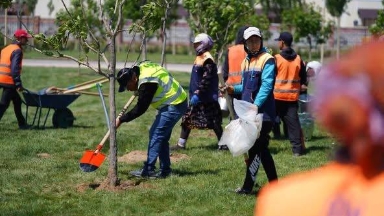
(91, 161)
(88, 167)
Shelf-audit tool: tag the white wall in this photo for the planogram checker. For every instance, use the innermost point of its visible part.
(42, 8)
(352, 8)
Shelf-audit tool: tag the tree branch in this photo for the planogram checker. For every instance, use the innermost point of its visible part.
(85, 63)
(105, 21)
(164, 32)
(120, 13)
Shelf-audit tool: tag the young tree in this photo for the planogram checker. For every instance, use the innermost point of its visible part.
(50, 7)
(221, 19)
(31, 5)
(96, 25)
(136, 11)
(306, 22)
(5, 3)
(336, 8)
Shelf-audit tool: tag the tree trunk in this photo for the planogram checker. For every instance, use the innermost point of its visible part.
(112, 170)
(144, 49)
(174, 40)
(338, 39)
(322, 28)
(164, 34)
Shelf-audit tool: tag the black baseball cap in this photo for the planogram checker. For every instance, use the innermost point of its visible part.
(123, 76)
(286, 37)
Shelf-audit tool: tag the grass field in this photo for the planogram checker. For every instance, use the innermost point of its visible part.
(40, 175)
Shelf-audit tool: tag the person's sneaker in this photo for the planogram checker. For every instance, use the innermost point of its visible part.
(177, 147)
(144, 173)
(298, 153)
(24, 127)
(164, 174)
(243, 191)
(223, 147)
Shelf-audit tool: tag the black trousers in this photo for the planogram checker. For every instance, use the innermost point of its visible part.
(276, 129)
(287, 111)
(259, 154)
(10, 94)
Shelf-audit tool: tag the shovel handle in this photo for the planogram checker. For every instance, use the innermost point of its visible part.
(84, 87)
(126, 106)
(100, 146)
(85, 83)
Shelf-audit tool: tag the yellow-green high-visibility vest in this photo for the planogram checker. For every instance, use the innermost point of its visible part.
(169, 91)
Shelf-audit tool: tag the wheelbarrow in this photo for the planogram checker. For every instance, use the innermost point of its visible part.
(62, 116)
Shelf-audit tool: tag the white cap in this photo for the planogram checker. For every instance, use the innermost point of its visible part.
(251, 31)
(315, 65)
(201, 37)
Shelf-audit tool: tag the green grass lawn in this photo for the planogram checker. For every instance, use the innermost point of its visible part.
(40, 172)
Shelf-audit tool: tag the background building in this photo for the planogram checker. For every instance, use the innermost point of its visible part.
(358, 12)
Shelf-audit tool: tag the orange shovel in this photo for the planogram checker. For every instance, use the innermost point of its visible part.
(92, 160)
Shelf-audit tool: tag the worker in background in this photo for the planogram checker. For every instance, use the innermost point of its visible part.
(10, 76)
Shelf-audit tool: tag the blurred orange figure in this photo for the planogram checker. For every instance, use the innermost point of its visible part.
(349, 102)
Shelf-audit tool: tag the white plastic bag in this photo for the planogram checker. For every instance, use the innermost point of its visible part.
(245, 110)
(240, 134)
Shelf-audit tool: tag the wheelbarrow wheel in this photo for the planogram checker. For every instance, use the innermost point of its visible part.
(63, 118)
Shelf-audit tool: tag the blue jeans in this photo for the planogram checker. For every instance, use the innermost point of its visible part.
(159, 136)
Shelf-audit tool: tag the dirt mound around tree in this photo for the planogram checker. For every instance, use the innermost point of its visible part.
(131, 158)
(121, 186)
(140, 156)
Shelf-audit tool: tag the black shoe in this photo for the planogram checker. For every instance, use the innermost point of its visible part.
(243, 191)
(223, 147)
(25, 127)
(176, 147)
(144, 173)
(164, 174)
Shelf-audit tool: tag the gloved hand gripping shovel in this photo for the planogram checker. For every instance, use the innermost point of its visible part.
(92, 160)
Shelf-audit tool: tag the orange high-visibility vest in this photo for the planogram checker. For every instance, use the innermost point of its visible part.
(236, 55)
(335, 189)
(5, 64)
(287, 84)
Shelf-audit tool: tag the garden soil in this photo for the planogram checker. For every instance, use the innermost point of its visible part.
(131, 158)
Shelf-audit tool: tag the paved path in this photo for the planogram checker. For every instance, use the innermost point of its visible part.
(71, 64)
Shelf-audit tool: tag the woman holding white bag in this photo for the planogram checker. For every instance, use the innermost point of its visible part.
(258, 74)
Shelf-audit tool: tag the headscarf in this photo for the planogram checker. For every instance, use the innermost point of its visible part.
(349, 98)
(206, 43)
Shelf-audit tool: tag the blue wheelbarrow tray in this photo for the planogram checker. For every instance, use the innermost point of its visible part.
(62, 117)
